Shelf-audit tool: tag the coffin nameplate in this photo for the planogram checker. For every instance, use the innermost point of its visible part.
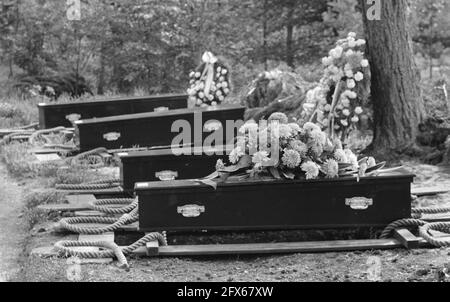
(161, 109)
(166, 175)
(191, 210)
(212, 126)
(111, 136)
(359, 203)
(73, 117)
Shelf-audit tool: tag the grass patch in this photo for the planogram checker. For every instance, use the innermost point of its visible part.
(32, 215)
(16, 111)
(21, 163)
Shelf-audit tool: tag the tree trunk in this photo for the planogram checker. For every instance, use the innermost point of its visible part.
(396, 94)
(101, 75)
(290, 35)
(265, 35)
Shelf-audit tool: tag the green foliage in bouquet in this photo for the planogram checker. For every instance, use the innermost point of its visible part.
(210, 82)
(286, 150)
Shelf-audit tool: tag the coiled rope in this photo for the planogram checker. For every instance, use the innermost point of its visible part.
(113, 224)
(130, 216)
(424, 226)
(90, 158)
(86, 186)
(34, 137)
(443, 227)
(104, 205)
(64, 247)
(418, 212)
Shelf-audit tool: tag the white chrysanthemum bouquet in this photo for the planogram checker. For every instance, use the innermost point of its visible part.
(336, 104)
(209, 83)
(286, 150)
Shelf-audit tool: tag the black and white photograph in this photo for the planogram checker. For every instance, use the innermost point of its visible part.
(224, 148)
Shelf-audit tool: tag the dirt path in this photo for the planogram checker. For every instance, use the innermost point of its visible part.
(12, 231)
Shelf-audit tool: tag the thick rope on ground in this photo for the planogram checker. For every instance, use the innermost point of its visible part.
(424, 227)
(64, 247)
(86, 186)
(105, 181)
(104, 205)
(35, 136)
(437, 226)
(418, 212)
(85, 158)
(387, 232)
(113, 224)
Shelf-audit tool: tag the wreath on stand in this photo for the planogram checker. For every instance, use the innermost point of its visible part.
(209, 82)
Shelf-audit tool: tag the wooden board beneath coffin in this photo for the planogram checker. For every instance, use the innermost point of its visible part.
(58, 114)
(192, 126)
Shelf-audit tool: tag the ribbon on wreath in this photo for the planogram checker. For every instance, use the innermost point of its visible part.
(208, 72)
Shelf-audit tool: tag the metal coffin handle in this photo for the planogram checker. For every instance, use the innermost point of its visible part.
(111, 136)
(73, 117)
(191, 210)
(359, 203)
(166, 175)
(161, 109)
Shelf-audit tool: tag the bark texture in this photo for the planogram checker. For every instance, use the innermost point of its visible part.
(396, 94)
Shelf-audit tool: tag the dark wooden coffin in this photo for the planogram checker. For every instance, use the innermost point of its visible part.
(55, 115)
(274, 204)
(157, 165)
(158, 129)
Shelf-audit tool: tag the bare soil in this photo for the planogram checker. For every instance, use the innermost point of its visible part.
(394, 265)
(12, 228)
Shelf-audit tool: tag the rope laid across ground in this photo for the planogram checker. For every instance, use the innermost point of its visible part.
(130, 215)
(424, 226)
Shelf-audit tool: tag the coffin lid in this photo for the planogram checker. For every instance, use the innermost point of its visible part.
(159, 97)
(168, 152)
(221, 108)
(401, 175)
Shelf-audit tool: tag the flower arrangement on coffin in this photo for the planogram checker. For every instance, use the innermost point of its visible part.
(210, 82)
(347, 78)
(280, 149)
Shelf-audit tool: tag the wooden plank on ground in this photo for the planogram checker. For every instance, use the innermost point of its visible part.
(279, 248)
(105, 155)
(4, 132)
(152, 248)
(427, 191)
(50, 251)
(44, 252)
(107, 237)
(89, 214)
(263, 248)
(445, 217)
(407, 239)
(104, 192)
(96, 261)
(47, 157)
(126, 228)
(75, 203)
(48, 150)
